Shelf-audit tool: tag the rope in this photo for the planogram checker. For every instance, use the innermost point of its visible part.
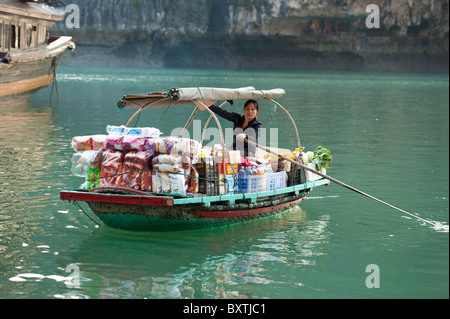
(54, 83)
(157, 171)
(77, 204)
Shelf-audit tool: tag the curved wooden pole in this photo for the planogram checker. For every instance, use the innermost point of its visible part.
(339, 182)
(141, 109)
(189, 122)
(207, 123)
(293, 123)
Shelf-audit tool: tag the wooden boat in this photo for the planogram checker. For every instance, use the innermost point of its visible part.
(129, 209)
(28, 56)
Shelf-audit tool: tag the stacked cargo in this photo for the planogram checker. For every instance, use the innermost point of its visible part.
(140, 159)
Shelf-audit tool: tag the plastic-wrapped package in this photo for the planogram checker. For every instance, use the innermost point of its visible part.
(99, 142)
(89, 143)
(166, 168)
(165, 144)
(156, 182)
(133, 143)
(165, 183)
(167, 159)
(206, 151)
(177, 184)
(146, 180)
(135, 131)
(153, 144)
(114, 143)
(127, 143)
(188, 147)
(93, 178)
(134, 164)
(81, 143)
(143, 131)
(82, 161)
(116, 130)
(112, 168)
(192, 180)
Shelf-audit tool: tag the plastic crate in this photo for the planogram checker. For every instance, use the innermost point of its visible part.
(253, 184)
(276, 180)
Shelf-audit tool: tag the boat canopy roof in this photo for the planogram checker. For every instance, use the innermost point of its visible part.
(201, 96)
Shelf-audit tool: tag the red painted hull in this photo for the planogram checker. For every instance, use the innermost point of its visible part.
(144, 212)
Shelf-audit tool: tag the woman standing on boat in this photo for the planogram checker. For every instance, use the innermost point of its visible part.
(246, 126)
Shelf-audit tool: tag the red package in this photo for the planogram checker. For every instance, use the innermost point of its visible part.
(192, 180)
(135, 163)
(112, 168)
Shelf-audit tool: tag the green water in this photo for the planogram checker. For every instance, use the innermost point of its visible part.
(389, 137)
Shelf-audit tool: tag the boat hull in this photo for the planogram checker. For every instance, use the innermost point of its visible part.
(188, 217)
(144, 212)
(29, 71)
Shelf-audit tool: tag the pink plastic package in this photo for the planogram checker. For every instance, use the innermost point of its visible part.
(133, 143)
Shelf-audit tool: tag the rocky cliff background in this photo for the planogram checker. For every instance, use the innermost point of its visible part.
(282, 34)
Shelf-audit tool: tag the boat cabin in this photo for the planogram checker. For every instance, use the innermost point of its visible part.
(24, 24)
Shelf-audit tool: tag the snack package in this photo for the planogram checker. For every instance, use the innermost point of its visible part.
(188, 147)
(177, 184)
(133, 143)
(166, 159)
(89, 143)
(156, 182)
(114, 143)
(93, 178)
(81, 143)
(112, 168)
(165, 144)
(153, 144)
(135, 163)
(165, 183)
(166, 168)
(146, 180)
(192, 180)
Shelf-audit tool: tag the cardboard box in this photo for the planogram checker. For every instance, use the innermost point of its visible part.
(231, 169)
(234, 157)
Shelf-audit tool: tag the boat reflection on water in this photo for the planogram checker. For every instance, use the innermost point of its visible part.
(27, 148)
(164, 267)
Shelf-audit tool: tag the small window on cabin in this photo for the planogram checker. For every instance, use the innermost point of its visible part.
(6, 36)
(13, 36)
(29, 36)
(18, 36)
(1, 34)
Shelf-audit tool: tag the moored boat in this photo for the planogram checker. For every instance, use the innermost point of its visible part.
(29, 57)
(119, 198)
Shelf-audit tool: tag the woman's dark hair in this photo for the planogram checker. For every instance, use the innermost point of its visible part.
(254, 103)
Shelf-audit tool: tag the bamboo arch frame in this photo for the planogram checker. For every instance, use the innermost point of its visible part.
(293, 123)
(222, 139)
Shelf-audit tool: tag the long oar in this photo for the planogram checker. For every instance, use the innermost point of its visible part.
(338, 182)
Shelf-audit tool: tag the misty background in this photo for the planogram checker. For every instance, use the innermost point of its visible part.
(261, 34)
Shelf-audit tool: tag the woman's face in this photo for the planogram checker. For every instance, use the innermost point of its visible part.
(250, 112)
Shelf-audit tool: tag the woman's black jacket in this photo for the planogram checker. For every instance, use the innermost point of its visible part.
(252, 130)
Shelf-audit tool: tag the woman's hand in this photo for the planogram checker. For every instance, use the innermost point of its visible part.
(241, 137)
